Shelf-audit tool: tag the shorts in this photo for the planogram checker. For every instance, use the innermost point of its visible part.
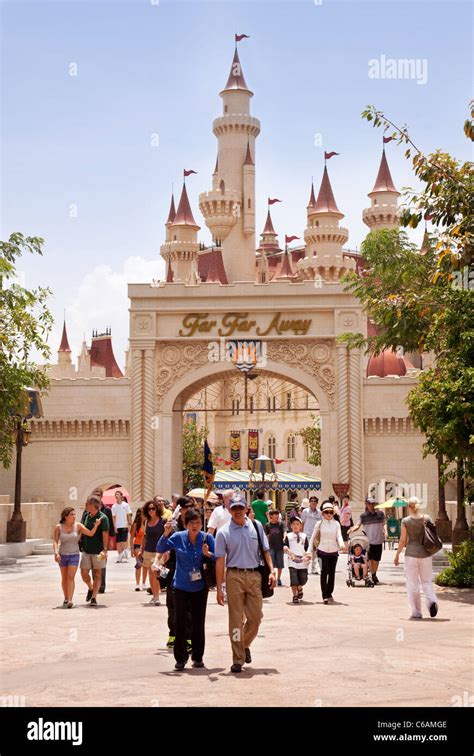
(148, 558)
(137, 546)
(277, 558)
(69, 560)
(375, 551)
(122, 535)
(91, 562)
(298, 576)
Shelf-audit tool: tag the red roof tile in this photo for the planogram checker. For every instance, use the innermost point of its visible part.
(312, 199)
(248, 156)
(326, 202)
(211, 267)
(236, 78)
(172, 212)
(268, 225)
(385, 364)
(102, 355)
(184, 214)
(285, 269)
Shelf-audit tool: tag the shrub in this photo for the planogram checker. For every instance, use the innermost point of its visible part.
(460, 572)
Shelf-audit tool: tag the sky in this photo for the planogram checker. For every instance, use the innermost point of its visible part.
(104, 102)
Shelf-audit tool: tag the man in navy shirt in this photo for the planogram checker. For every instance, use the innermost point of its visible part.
(237, 541)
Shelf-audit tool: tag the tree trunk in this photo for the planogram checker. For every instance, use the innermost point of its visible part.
(443, 523)
(461, 530)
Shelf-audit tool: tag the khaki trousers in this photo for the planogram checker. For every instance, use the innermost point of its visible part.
(244, 600)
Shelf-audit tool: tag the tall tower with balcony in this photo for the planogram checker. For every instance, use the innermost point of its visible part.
(229, 209)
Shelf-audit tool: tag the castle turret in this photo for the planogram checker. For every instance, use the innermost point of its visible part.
(324, 238)
(383, 211)
(181, 247)
(229, 209)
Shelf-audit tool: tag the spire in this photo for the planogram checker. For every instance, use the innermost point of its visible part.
(268, 225)
(172, 212)
(285, 270)
(312, 199)
(184, 215)
(383, 182)
(248, 156)
(236, 78)
(326, 202)
(64, 345)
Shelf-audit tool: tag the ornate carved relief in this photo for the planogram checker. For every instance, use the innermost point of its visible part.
(58, 430)
(142, 324)
(173, 361)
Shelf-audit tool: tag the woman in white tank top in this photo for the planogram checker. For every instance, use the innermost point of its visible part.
(66, 550)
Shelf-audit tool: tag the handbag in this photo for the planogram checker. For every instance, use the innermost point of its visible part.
(264, 569)
(209, 569)
(430, 539)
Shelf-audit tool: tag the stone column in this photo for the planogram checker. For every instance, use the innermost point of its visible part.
(149, 424)
(356, 426)
(136, 435)
(342, 413)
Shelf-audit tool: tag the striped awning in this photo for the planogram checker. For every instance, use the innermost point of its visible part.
(286, 481)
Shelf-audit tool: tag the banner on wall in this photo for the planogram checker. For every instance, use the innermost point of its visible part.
(253, 447)
(235, 450)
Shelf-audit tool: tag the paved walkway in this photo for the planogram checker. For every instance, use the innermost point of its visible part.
(362, 650)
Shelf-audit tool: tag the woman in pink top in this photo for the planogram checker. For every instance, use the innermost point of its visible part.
(345, 518)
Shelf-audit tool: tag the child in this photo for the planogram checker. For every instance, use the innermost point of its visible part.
(296, 546)
(359, 559)
(275, 531)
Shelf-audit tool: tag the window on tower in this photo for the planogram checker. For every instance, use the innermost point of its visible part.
(222, 187)
(291, 447)
(272, 447)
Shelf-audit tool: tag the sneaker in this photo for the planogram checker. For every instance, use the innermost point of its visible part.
(248, 656)
(236, 668)
(433, 609)
(93, 602)
(198, 664)
(70, 604)
(375, 580)
(170, 641)
(101, 590)
(416, 617)
(143, 587)
(155, 601)
(179, 666)
(330, 600)
(137, 588)
(89, 595)
(279, 583)
(65, 603)
(325, 601)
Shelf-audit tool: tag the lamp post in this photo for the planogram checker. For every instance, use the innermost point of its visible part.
(16, 526)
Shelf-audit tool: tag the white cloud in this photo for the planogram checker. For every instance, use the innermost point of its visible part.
(100, 301)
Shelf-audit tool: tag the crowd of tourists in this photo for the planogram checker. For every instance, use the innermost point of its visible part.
(185, 547)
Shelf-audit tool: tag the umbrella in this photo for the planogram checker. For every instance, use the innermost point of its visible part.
(200, 493)
(392, 503)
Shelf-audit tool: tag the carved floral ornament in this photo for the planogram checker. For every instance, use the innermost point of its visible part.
(316, 358)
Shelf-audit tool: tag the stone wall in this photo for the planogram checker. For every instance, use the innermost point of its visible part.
(40, 516)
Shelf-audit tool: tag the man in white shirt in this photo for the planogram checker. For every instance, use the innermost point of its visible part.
(122, 516)
(309, 517)
(221, 514)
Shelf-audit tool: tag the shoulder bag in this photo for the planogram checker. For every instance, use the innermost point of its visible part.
(430, 539)
(264, 569)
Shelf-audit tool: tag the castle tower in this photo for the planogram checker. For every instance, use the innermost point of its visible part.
(383, 211)
(64, 367)
(181, 247)
(229, 209)
(269, 238)
(324, 238)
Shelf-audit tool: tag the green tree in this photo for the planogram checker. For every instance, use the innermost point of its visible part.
(193, 454)
(311, 436)
(25, 323)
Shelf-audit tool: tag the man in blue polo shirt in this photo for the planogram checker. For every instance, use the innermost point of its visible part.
(237, 542)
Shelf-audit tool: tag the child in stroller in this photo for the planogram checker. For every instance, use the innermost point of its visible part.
(357, 563)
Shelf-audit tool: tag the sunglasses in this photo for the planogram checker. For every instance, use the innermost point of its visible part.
(152, 509)
(328, 513)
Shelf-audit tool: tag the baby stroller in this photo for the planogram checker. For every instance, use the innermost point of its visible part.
(357, 538)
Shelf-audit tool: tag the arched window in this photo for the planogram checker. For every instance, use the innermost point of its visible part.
(291, 446)
(222, 187)
(271, 448)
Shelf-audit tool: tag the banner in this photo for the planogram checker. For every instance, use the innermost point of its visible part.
(235, 449)
(253, 447)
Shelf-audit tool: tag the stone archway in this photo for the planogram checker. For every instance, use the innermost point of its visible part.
(182, 369)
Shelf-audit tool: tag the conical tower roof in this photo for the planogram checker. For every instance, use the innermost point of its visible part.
(236, 78)
(172, 212)
(217, 166)
(383, 182)
(312, 198)
(269, 225)
(248, 156)
(326, 202)
(184, 214)
(64, 345)
(285, 270)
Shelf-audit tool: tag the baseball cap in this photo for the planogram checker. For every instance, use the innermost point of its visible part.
(370, 500)
(237, 501)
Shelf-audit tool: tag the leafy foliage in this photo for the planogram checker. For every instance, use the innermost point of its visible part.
(25, 323)
(193, 454)
(311, 436)
(460, 572)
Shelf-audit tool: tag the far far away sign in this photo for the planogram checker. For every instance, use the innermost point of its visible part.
(235, 323)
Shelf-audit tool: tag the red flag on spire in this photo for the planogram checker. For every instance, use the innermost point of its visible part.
(238, 37)
(386, 140)
(272, 201)
(328, 155)
(428, 216)
(188, 173)
(289, 239)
